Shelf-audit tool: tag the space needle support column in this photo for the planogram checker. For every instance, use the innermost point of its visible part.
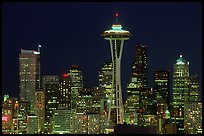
(111, 97)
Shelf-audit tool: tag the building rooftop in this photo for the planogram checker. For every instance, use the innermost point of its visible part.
(180, 60)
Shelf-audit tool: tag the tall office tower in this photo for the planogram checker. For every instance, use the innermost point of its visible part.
(116, 36)
(138, 81)
(23, 111)
(139, 66)
(162, 85)
(51, 84)
(32, 124)
(193, 117)
(105, 79)
(193, 88)
(180, 91)
(29, 75)
(65, 91)
(40, 96)
(61, 121)
(76, 84)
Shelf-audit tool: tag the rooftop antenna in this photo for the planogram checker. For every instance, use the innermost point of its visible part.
(116, 17)
(39, 46)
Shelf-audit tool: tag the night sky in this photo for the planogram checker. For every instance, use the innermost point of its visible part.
(70, 34)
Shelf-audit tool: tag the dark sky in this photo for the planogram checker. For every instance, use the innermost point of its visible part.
(70, 34)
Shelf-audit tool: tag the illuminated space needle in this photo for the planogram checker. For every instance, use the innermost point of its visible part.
(116, 36)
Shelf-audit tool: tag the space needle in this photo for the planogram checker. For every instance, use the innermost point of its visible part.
(116, 37)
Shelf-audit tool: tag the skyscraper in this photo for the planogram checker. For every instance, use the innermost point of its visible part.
(116, 36)
(40, 105)
(194, 89)
(180, 91)
(162, 85)
(139, 66)
(65, 91)
(105, 79)
(137, 82)
(29, 75)
(51, 86)
(76, 84)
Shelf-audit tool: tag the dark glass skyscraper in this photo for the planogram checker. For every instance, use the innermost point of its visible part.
(139, 66)
(137, 82)
(162, 85)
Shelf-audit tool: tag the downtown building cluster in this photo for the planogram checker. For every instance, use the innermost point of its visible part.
(53, 104)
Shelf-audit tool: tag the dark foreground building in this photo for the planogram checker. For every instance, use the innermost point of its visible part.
(131, 129)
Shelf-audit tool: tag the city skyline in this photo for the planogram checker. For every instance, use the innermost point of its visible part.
(69, 38)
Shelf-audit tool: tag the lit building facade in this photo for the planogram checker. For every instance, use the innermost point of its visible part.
(180, 92)
(7, 114)
(61, 121)
(29, 75)
(65, 91)
(105, 80)
(193, 89)
(116, 36)
(139, 66)
(51, 84)
(76, 84)
(193, 117)
(162, 85)
(32, 124)
(148, 106)
(40, 105)
(23, 111)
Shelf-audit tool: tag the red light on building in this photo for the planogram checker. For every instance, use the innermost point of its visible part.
(4, 118)
(75, 66)
(116, 14)
(140, 110)
(65, 75)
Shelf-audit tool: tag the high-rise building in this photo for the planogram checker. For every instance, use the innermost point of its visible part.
(192, 117)
(105, 79)
(137, 82)
(40, 96)
(162, 85)
(29, 75)
(116, 36)
(193, 89)
(65, 91)
(32, 124)
(180, 92)
(51, 84)
(76, 84)
(139, 66)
